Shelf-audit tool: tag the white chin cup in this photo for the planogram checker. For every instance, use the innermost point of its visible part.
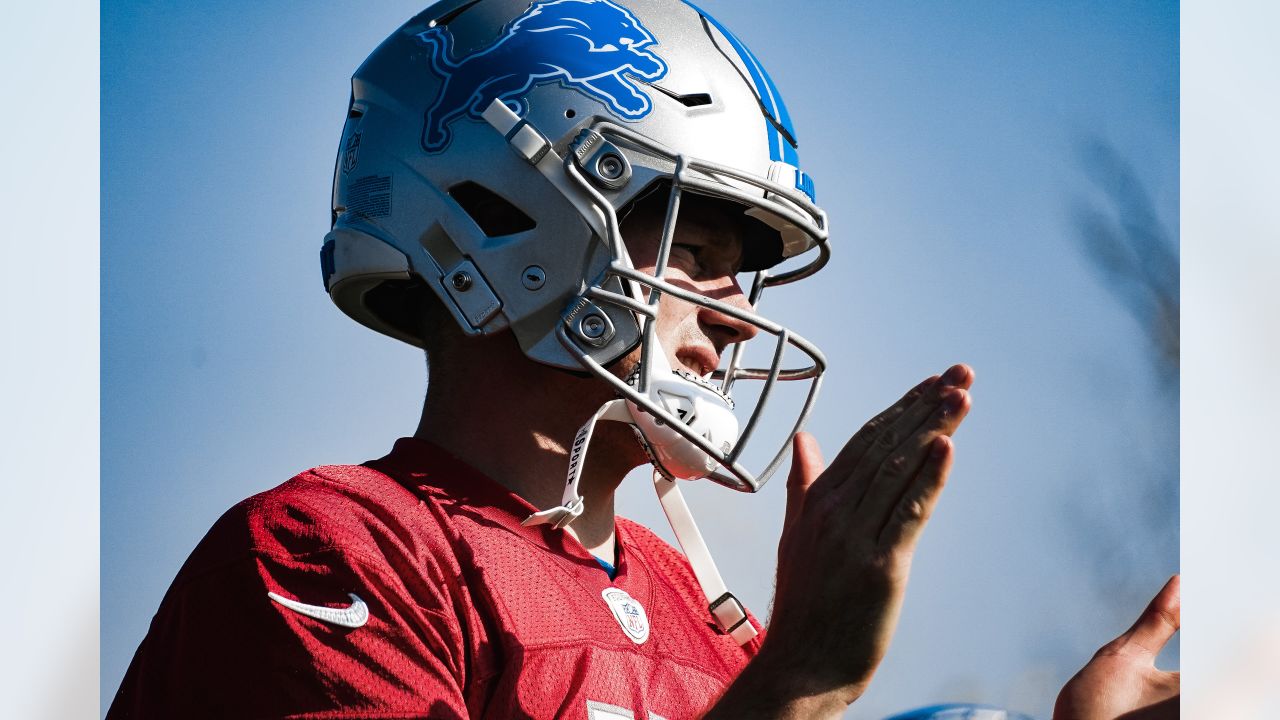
(698, 405)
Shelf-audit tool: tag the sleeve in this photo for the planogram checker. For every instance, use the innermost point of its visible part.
(219, 646)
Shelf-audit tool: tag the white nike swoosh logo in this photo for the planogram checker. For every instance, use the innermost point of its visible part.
(353, 616)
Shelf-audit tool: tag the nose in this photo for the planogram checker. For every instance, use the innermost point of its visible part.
(722, 328)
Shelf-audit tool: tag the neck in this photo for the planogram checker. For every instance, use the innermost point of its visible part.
(515, 420)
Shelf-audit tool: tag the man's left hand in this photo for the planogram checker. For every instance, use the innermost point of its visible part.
(1122, 681)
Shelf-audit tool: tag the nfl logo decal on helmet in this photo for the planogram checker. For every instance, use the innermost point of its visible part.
(351, 154)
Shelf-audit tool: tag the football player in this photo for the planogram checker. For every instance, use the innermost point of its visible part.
(556, 200)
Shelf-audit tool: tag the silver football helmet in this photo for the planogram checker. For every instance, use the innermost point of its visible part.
(491, 147)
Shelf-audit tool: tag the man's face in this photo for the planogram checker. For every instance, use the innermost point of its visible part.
(706, 254)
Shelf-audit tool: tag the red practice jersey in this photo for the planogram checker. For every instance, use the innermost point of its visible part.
(407, 588)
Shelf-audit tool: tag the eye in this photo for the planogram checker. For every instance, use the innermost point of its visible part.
(608, 47)
(686, 257)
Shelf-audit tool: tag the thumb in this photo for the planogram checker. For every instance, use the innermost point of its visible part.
(1158, 622)
(806, 466)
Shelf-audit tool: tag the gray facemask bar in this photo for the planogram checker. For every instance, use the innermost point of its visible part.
(812, 221)
(727, 377)
(739, 478)
(692, 173)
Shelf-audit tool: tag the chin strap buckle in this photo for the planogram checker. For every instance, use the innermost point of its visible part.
(731, 616)
(523, 137)
(557, 517)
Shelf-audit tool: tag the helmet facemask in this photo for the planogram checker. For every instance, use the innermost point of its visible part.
(687, 423)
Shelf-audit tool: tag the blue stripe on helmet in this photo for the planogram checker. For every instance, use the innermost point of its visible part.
(770, 98)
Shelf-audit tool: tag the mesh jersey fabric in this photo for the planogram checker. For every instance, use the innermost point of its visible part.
(471, 615)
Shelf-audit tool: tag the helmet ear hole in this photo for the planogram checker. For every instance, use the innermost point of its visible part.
(400, 304)
(492, 213)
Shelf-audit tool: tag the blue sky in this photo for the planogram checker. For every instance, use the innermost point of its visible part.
(945, 139)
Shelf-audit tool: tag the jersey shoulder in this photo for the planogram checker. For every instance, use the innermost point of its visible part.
(353, 510)
(234, 636)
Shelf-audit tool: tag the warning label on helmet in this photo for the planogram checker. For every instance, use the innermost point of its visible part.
(370, 196)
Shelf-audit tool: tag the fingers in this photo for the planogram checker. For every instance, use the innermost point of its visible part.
(1157, 624)
(806, 466)
(861, 440)
(915, 506)
(869, 451)
(957, 378)
(898, 454)
(887, 457)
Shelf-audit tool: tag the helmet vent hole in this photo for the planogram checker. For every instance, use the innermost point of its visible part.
(494, 215)
(570, 113)
(451, 15)
(687, 100)
(695, 99)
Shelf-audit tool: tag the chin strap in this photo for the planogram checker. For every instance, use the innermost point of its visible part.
(727, 610)
(571, 503)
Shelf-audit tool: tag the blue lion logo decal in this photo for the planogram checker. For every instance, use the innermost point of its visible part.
(588, 45)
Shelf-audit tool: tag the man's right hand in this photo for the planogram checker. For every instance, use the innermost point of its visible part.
(845, 554)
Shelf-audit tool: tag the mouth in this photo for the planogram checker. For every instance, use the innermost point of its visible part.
(699, 360)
